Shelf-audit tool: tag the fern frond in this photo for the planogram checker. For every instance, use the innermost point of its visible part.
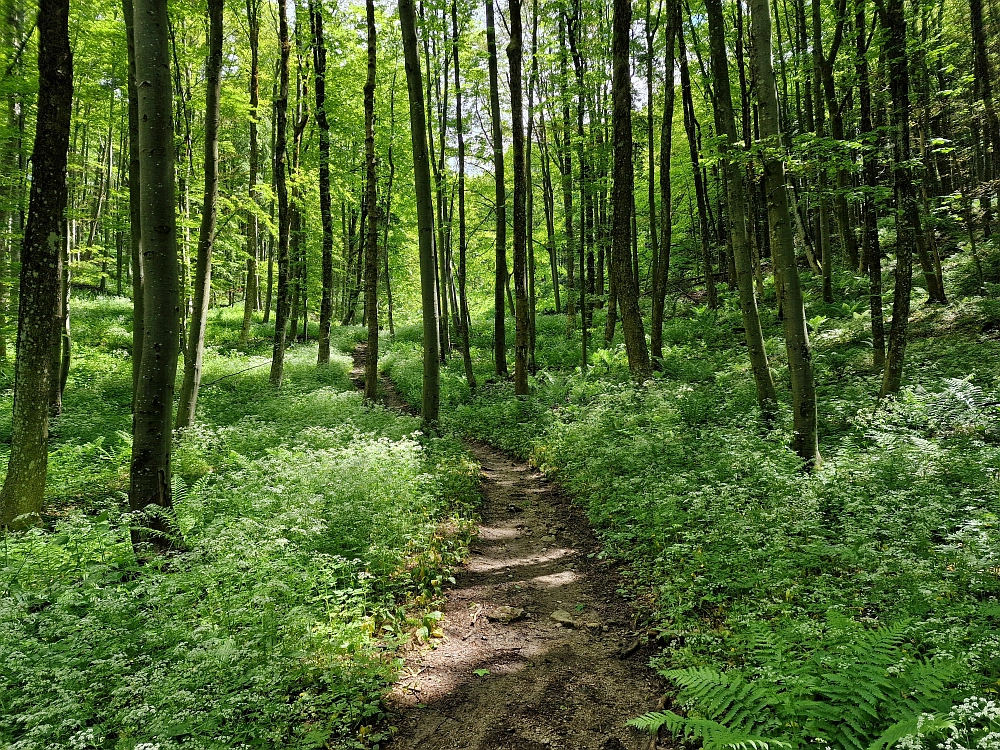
(914, 725)
(713, 735)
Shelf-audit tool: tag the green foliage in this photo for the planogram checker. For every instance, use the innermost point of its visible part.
(853, 690)
(320, 531)
(742, 562)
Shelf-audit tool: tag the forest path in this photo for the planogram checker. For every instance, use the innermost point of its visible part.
(508, 675)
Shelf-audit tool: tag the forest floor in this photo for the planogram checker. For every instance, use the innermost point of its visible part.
(537, 651)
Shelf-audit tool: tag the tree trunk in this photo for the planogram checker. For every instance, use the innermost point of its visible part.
(548, 191)
(371, 252)
(206, 234)
(388, 207)
(870, 251)
(253, 281)
(151, 426)
(500, 324)
(325, 206)
(908, 229)
(572, 31)
(691, 128)
(661, 267)
(134, 204)
(430, 396)
(280, 153)
(736, 213)
(622, 197)
(462, 318)
(514, 56)
(805, 441)
(41, 270)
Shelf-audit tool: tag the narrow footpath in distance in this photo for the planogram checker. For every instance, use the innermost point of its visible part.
(539, 651)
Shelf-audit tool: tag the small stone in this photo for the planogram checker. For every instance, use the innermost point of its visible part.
(505, 615)
(548, 538)
(564, 618)
(593, 625)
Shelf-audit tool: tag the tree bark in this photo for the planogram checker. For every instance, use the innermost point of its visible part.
(736, 213)
(661, 266)
(870, 251)
(691, 128)
(371, 251)
(206, 234)
(150, 488)
(462, 318)
(908, 229)
(622, 197)
(514, 56)
(280, 153)
(325, 204)
(250, 292)
(41, 271)
(805, 440)
(134, 203)
(500, 323)
(430, 396)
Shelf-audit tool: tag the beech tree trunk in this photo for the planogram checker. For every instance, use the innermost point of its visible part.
(206, 234)
(325, 203)
(736, 207)
(500, 323)
(514, 56)
(805, 440)
(41, 272)
(250, 292)
(462, 317)
(430, 396)
(281, 306)
(371, 251)
(622, 196)
(150, 489)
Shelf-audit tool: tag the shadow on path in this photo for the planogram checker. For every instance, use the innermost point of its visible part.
(506, 675)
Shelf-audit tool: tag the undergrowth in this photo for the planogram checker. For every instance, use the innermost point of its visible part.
(895, 540)
(320, 532)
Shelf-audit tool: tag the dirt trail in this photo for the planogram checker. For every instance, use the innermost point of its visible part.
(507, 675)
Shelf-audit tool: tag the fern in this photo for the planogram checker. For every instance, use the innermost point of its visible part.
(861, 691)
(713, 735)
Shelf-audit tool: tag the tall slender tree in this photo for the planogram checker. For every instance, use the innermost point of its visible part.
(41, 270)
(514, 55)
(431, 386)
(371, 251)
(462, 314)
(805, 439)
(325, 202)
(150, 486)
(661, 261)
(736, 205)
(500, 322)
(622, 197)
(252, 287)
(282, 303)
(195, 354)
(908, 228)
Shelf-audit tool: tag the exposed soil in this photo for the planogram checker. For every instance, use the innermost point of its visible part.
(506, 675)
